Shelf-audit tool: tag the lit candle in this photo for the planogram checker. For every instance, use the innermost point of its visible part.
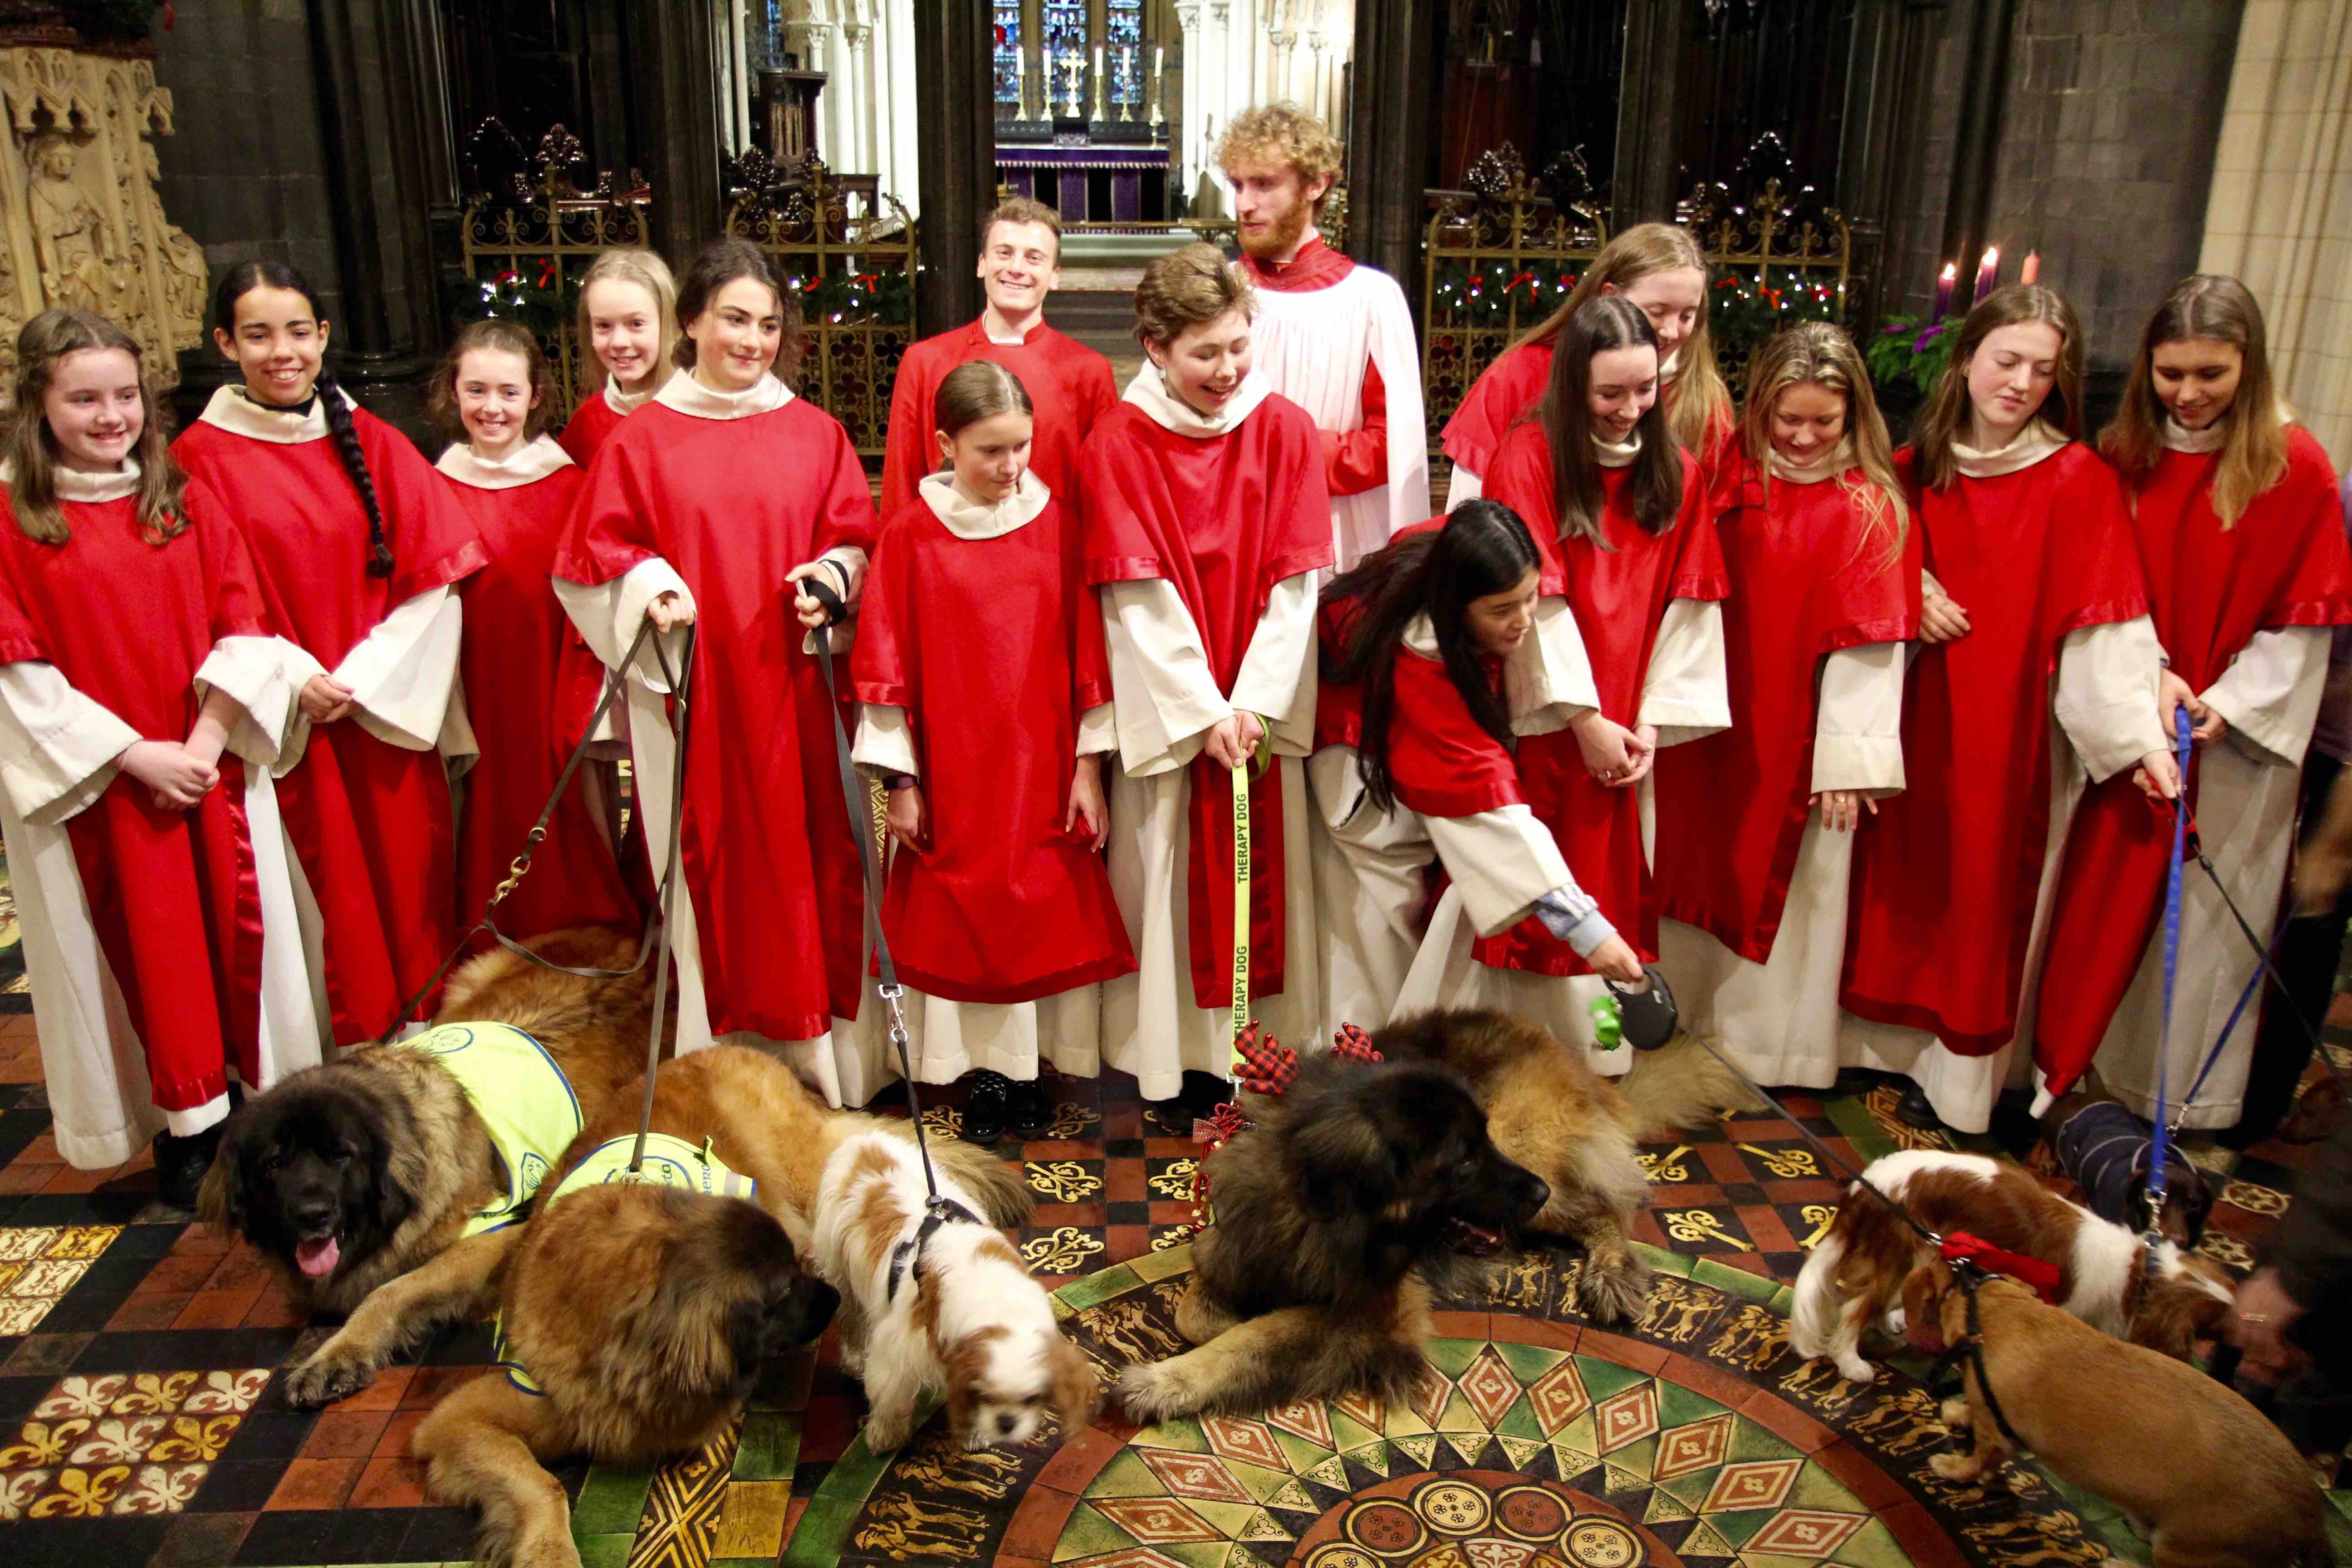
(2031, 272)
(1987, 274)
(1019, 63)
(1945, 281)
(1159, 59)
(1098, 62)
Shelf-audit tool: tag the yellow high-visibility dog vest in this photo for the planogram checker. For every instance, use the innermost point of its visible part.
(522, 1098)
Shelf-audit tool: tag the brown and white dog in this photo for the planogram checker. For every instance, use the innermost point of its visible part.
(1855, 1275)
(940, 1306)
(2193, 1467)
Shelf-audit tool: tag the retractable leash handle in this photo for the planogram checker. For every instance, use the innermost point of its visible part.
(2160, 1135)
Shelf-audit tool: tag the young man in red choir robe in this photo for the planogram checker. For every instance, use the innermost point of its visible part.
(2235, 506)
(2034, 610)
(1206, 525)
(1331, 336)
(707, 506)
(1020, 249)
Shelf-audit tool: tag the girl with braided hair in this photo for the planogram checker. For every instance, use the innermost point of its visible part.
(358, 543)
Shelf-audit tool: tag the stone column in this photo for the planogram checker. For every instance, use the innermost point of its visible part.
(1388, 138)
(676, 74)
(957, 157)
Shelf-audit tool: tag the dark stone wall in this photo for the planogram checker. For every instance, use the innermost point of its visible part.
(2107, 131)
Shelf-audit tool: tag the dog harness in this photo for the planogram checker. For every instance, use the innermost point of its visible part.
(522, 1098)
(669, 1162)
(908, 1254)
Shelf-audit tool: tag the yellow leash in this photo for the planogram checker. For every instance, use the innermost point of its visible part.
(1241, 913)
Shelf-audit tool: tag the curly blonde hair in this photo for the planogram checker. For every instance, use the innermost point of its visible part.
(1284, 135)
(1190, 285)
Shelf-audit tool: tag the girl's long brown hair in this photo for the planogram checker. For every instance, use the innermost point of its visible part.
(1656, 492)
(1818, 353)
(1946, 418)
(504, 337)
(1697, 400)
(41, 347)
(2253, 452)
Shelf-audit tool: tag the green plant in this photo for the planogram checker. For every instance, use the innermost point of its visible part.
(541, 305)
(1906, 353)
(1743, 311)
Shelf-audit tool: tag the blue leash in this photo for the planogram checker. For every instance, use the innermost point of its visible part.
(2162, 1133)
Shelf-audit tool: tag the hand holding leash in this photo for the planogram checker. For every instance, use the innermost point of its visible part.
(816, 602)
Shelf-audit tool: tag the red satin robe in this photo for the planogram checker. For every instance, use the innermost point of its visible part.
(733, 504)
(993, 649)
(1946, 879)
(1068, 383)
(171, 893)
(1732, 806)
(1222, 520)
(1619, 596)
(529, 679)
(369, 821)
(589, 424)
(2284, 563)
(1504, 390)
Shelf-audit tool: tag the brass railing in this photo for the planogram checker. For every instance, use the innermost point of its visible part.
(526, 239)
(855, 274)
(1779, 256)
(1497, 258)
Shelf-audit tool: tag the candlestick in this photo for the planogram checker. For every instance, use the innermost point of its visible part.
(1125, 64)
(1988, 275)
(1945, 281)
(1098, 81)
(2031, 272)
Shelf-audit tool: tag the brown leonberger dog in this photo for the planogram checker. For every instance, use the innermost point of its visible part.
(1352, 1195)
(381, 1154)
(643, 1313)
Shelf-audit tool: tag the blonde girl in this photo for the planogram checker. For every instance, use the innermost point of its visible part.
(628, 320)
(1756, 823)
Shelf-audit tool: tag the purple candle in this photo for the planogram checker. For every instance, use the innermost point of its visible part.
(1944, 282)
(1987, 274)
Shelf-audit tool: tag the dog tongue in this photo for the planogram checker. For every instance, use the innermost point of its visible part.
(316, 1257)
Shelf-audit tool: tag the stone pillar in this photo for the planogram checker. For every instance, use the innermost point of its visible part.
(957, 154)
(901, 176)
(1389, 137)
(676, 74)
(1191, 58)
(857, 110)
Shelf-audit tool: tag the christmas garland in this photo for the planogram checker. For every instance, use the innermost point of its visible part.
(1742, 310)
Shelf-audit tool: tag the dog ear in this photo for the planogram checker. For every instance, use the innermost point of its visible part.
(1923, 1295)
(1342, 1162)
(1076, 1391)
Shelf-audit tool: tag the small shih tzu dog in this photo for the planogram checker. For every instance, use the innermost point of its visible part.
(939, 1302)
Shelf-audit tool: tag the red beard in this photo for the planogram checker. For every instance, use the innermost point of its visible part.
(1279, 237)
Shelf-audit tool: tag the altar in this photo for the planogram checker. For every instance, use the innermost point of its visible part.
(1095, 184)
(1082, 109)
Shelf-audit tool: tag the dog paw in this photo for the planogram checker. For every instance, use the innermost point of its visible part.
(1955, 1467)
(1613, 1294)
(1955, 1413)
(1154, 1394)
(551, 1550)
(1853, 1369)
(330, 1376)
(887, 1433)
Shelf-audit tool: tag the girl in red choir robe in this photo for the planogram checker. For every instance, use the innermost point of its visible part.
(1660, 268)
(2034, 608)
(2235, 510)
(708, 506)
(1756, 825)
(628, 320)
(141, 704)
(981, 666)
(521, 658)
(1629, 540)
(359, 545)
(1413, 769)
(1205, 521)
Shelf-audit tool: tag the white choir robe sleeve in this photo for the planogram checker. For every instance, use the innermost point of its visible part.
(58, 745)
(848, 566)
(1098, 729)
(884, 745)
(1162, 692)
(2105, 695)
(1395, 352)
(1547, 678)
(2271, 692)
(1686, 691)
(1503, 861)
(403, 673)
(1858, 725)
(608, 617)
(1928, 585)
(1276, 679)
(1462, 485)
(256, 672)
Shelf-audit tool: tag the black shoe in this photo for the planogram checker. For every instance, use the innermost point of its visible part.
(181, 1164)
(1031, 1110)
(1915, 1110)
(1203, 1092)
(984, 1107)
(1168, 1117)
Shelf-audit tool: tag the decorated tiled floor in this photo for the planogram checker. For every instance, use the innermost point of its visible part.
(138, 1424)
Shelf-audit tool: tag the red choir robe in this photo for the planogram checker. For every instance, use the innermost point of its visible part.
(594, 420)
(172, 894)
(1945, 880)
(2212, 589)
(994, 649)
(1504, 390)
(1619, 596)
(732, 504)
(369, 821)
(529, 680)
(1068, 384)
(1222, 520)
(1808, 583)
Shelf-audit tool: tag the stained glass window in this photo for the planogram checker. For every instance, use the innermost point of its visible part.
(1125, 63)
(1008, 51)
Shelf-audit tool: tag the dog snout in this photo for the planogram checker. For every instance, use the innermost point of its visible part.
(313, 1214)
(1007, 1423)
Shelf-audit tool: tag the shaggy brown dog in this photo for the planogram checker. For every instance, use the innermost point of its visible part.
(641, 1314)
(1337, 1210)
(382, 1154)
(2196, 1468)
